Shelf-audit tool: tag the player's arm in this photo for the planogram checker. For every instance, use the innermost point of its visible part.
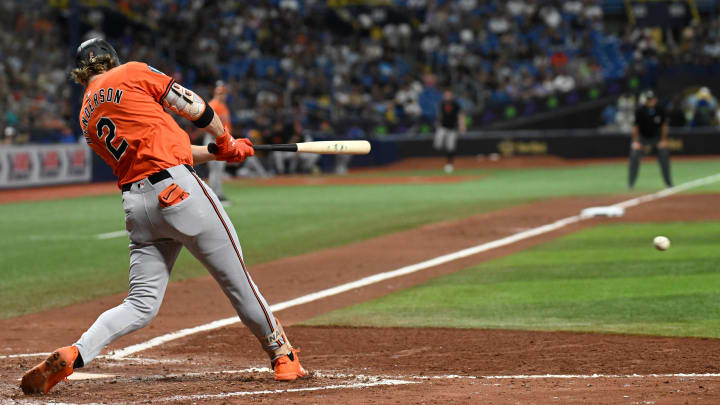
(189, 105)
(200, 154)
(192, 107)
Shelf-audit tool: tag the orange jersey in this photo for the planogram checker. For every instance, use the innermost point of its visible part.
(124, 122)
(221, 109)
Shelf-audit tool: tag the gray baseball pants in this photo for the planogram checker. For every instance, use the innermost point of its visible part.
(663, 159)
(445, 139)
(216, 171)
(157, 234)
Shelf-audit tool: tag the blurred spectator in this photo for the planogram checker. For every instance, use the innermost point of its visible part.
(374, 68)
(702, 108)
(350, 66)
(8, 136)
(34, 88)
(625, 117)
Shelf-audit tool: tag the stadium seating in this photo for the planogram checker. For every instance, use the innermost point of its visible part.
(381, 66)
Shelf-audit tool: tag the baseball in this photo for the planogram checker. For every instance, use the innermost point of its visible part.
(661, 243)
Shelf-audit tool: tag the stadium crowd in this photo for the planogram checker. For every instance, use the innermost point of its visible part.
(335, 66)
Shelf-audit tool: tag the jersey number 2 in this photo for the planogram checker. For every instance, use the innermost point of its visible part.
(103, 123)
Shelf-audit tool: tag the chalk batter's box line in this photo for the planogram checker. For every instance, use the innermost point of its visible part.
(366, 381)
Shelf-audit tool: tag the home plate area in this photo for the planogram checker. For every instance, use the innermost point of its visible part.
(398, 365)
(142, 380)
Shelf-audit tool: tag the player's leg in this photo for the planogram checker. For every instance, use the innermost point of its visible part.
(204, 228)
(341, 163)
(278, 162)
(664, 160)
(216, 171)
(150, 266)
(254, 167)
(293, 160)
(450, 146)
(308, 162)
(635, 157)
(439, 140)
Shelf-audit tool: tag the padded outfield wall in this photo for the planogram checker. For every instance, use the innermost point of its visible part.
(562, 143)
(591, 143)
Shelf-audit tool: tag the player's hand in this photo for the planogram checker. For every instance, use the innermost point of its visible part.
(233, 150)
(636, 145)
(662, 144)
(243, 149)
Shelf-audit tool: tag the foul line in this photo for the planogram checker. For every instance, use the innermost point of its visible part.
(265, 392)
(13, 356)
(513, 377)
(560, 376)
(365, 281)
(111, 235)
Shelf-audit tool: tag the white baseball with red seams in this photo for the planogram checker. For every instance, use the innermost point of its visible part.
(661, 243)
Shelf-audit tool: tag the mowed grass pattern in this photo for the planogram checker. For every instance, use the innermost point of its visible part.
(606, 279)
(49, 255)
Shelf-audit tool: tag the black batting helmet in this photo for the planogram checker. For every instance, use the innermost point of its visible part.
(93, 48)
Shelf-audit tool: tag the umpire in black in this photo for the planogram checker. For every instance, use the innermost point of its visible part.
(651, 128)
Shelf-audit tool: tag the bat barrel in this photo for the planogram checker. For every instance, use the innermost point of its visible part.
(335, 147)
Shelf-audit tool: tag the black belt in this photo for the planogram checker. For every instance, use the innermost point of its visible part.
(156, 177)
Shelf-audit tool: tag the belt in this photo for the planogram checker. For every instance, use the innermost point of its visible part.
(156, 177)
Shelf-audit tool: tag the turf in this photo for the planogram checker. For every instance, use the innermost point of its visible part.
(604, 279)
(49, 248)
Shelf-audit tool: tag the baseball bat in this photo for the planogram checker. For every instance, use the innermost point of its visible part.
(321, 147)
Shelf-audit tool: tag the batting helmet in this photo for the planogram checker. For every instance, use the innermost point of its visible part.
(93, 48)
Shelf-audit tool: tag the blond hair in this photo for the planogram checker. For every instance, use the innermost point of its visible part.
(96, 65)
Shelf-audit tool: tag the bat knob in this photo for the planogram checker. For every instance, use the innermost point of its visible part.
(212, 148)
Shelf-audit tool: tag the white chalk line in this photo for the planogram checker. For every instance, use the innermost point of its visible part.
(182, 375)
(13, 356)
(289, 390)
(516, 376)
(365, 281)
(362, 380)
(125, 360)
(111, 235)
(79, 376)
(562, 376)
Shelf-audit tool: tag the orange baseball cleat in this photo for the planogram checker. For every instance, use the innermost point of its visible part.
(288, 368)
(47, 374)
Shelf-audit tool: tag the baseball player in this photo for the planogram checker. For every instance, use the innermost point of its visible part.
(167, 206)
(452, 119)
(216, 168)
(650, 128)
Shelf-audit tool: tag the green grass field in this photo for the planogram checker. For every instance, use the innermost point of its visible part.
(50, 246)
(607, 279)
